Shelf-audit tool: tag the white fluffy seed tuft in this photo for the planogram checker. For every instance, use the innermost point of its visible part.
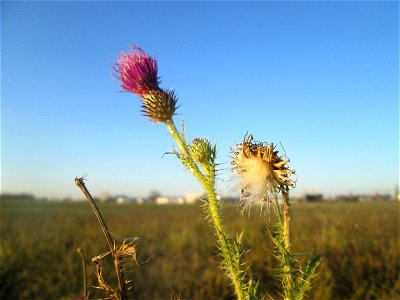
(256, 180)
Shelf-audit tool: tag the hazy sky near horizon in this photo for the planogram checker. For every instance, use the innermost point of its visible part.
(322, 78)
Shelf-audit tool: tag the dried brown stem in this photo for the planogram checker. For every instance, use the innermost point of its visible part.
(286, 218)
(111, 243)
(286, 232)
(85, 291)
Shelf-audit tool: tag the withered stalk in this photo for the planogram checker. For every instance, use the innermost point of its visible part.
(111, 243)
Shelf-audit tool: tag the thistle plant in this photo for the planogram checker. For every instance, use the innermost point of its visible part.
(137, 73)
(263, 175)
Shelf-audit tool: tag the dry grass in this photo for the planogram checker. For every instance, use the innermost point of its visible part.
(39, 242)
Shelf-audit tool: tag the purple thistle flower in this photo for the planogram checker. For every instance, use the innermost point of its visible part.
(137, 72)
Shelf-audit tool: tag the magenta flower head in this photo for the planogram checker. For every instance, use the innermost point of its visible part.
(137, 72)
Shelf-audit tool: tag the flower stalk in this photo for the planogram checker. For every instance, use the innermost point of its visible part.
(286, 234)
(286, 217)
(296, 281)
(85, 290)
(207, 180)
(122, 290)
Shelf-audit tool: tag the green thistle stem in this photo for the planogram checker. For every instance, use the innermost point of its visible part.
(282, 242)
(185, 151)
(208, 184)
(226, 249)
(176, 136)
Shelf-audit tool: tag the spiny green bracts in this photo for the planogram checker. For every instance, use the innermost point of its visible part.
(201, 151)
(159, 105)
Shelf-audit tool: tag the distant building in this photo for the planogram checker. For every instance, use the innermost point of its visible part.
(162, 200)
(121, 199)
(191, 198)
(17, 196)
(104, 198)
(169, 200)
(374, 197)
(309, 197)
(314, 197)
(178, 200)
(139, 201)
(363, 198)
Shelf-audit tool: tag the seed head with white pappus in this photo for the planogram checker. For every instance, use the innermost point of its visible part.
(262, 172)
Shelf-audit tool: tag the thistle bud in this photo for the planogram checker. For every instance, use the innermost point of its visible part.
(159, 105)
(201, 151)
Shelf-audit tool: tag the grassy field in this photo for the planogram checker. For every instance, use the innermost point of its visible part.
(39, 241)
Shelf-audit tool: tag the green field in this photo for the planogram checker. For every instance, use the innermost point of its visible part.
(39, 241)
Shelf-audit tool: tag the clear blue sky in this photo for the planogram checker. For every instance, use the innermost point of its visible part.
(320, 77)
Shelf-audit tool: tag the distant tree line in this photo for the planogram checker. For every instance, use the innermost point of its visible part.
(17, 197)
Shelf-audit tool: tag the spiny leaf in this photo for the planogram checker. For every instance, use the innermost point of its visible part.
(252, 289)
(305, 281)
